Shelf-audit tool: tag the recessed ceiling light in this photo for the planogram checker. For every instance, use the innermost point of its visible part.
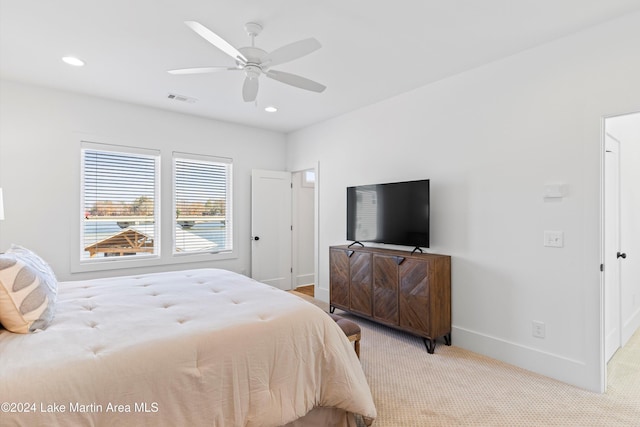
(270, 109)
(73, 61)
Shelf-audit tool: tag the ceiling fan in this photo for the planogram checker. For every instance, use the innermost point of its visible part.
(255, 61)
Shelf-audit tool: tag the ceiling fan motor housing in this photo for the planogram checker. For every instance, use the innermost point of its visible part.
(255, 56)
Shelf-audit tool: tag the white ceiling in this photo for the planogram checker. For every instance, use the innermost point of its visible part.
(372, 49)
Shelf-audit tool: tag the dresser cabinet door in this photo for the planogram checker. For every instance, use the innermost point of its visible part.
(339, 278)
(360, 289)
(385, 288)
(414, 296)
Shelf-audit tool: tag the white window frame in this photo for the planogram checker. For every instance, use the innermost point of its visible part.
(229, 245)
(80, 264)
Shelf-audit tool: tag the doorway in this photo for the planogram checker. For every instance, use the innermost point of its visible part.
(303, 221)
(621, 233)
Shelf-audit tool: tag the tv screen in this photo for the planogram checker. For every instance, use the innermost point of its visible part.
(394, 213)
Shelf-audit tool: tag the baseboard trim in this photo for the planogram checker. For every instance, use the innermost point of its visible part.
(630, 326)
(304, 279)
(321, 294)
(551, 365)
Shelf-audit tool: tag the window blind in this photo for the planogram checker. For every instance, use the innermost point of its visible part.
(119, 196)
(203, 205)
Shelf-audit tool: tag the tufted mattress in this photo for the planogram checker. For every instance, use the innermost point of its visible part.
(202, 347)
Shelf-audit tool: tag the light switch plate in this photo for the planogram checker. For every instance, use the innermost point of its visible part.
(552, 191)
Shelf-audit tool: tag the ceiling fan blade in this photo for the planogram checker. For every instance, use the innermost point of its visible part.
(216, 40)
(250, 89)
(295, 80)
(292, 51)
(201, 70)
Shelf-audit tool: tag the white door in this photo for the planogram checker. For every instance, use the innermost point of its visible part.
(271, 227)
(612, 315)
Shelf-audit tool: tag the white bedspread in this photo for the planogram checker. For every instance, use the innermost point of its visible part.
(189, 348)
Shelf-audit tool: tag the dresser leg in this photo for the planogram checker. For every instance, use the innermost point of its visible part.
(447, 339)
(430, 344)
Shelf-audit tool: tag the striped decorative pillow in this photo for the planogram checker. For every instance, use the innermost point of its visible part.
(27, 293)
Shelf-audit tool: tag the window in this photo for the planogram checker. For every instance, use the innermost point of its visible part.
(309, 178)
(120, 199)
(202, 204)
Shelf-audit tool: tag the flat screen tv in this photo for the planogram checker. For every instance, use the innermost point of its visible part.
(393, 213)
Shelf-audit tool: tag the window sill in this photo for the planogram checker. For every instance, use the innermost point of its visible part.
(150, 261)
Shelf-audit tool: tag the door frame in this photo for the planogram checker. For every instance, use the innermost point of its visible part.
(296, 204)
(602, 311)
(316, 221)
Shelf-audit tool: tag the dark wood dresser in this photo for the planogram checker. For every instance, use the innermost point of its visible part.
(410, 292)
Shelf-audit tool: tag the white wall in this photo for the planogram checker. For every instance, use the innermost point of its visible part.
(40, 133)
(490, 139)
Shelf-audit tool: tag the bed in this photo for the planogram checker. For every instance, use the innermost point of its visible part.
(203, 347)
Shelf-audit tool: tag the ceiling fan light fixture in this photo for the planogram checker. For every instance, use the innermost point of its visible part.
(72, 60)
(252, 71)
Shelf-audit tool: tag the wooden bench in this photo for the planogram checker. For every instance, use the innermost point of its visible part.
(350, 329)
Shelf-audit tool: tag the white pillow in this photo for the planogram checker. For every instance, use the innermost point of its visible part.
(28, 291)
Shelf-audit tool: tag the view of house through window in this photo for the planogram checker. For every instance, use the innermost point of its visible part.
(202, 202)
(120, 202)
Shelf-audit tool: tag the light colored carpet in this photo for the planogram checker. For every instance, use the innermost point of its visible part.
(455, 387)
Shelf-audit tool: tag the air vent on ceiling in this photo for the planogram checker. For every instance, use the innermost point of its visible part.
(181, 98)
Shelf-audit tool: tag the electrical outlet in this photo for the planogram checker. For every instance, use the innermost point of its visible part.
(554, 239)
(538, 329)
